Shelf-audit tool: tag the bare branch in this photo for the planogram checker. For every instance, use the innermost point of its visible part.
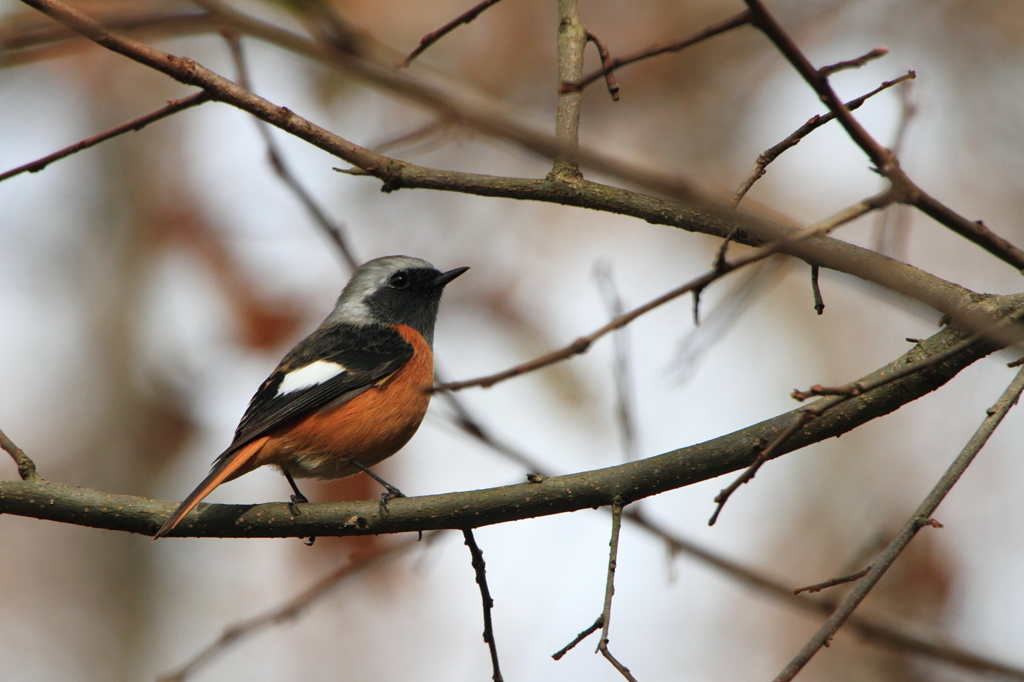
(859, 624)
(972, 230)
(606, 60)
(135, 124)
(920, 518)
(609, 589)
(855, 389)
(395, 174)
(766, 453)
(819, 302)
(572, 40)
(432, 37)
(480, 568)
(832, 582)
(741, 19)
(579, 638)
(815, 122)
(860, 61)
(620, 363)
(277, 161)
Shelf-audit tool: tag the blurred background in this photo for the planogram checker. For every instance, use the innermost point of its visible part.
(148, 286)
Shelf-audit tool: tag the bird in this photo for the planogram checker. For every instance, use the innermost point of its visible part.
(350, 394)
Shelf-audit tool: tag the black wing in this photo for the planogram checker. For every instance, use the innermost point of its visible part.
(368, 353)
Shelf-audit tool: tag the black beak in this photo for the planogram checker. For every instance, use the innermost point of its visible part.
(446, 277)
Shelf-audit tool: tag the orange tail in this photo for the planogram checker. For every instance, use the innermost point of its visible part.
(222, 471)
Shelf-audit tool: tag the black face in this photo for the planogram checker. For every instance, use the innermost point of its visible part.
(411, 296)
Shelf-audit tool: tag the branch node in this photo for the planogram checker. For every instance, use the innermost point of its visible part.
(26, 467)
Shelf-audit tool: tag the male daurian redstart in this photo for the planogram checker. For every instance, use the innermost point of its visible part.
(350, 394)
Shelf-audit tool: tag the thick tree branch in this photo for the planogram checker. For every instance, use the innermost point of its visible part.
(572, 39)
(560, 494)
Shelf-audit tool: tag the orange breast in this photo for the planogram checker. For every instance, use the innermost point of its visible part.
(368, 428)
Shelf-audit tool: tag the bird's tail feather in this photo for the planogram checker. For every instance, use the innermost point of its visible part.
(221, 472)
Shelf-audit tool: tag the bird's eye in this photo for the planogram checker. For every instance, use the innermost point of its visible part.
(399, 280)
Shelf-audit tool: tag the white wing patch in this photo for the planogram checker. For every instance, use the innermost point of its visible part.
(312, 374)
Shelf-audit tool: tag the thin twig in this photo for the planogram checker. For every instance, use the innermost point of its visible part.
(745, 289)
(135, 124)
(851, 390)
(832, 582)
(763, 456)
(860, 61)
(862, 386)
(609, 589)
(333, 230)
(819, 303)
(621, 370)
(26, 467)
(812, 124)
(579, 638)
(290, 610)
(606, 61)
(919, 519)
(432, 37)
(613, 558)
(892, 225)
(480, 568)
(735, 21)
(582, 344)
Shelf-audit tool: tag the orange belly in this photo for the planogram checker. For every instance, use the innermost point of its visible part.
(369, 428)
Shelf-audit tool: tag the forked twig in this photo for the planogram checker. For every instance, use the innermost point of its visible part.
(606, 64)
(721, 27)
(609, 589)
(919, 519)
(603, 621)
(794, 138)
